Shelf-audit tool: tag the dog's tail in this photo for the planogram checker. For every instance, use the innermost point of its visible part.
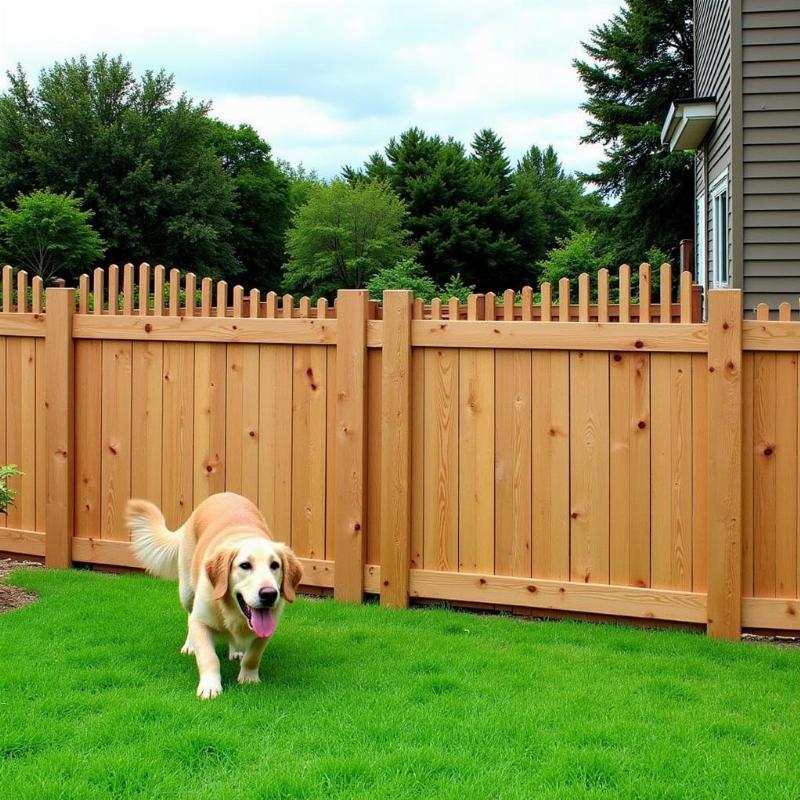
(155, 545)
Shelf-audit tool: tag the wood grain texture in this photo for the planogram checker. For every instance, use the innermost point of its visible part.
(476, 461)
(630, 469)
(512, 467)
(147, 420)
(177, 481)
(589, 462)
(242, 419)
(550, 434)
(210, 367)
(725, 464)
(88, 438)
(699, 473)
(764, 473)
(372, 532)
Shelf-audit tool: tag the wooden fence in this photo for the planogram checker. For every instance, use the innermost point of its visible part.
(623, 459)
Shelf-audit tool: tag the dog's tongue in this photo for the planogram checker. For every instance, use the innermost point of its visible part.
(262, 622)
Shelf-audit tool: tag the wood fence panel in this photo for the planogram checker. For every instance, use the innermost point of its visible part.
(550, 444)
(441, 460)
(374, 405)
(4, 400)
(589, 459)
(476, 461)
(513, 417)
(309, 420)
(631, 427)
(748, 459)
(210, 368)
(785, 454)
(89, 403)
(671, 474)
(242, 420)
(764, 473)
(177, 485)
(330, 455)
(418, 391)
(699, 473)
(116, 453)
(41, 438)
(147, 420)
(275, 441)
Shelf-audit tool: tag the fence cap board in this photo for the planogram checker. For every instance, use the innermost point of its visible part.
(207, 329)
(668, 337)
(22, 325)
(770, 335)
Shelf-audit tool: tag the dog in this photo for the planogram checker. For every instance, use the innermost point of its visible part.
(233, 579)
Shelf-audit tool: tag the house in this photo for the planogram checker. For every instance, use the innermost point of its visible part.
(744, 125)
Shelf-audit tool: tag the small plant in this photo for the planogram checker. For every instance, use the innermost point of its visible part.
(7, 495)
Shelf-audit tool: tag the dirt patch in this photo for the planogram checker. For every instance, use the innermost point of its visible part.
(12, 596)
(778, 641)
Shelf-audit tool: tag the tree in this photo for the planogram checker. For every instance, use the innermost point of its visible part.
(261, 194)
(142, 160)
(48, 233)
(467, 211)
(581, 252)
(405, 274)
(639, 62)
(345, 234)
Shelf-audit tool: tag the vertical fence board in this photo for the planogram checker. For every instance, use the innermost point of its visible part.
(116, 421)
(241, 417)
(476, 461)
(330, 455)
(177, 484)
(4, 400)
(208, 451)
(699, 472)
(671, 476)
(589, 457)
(550, 432)
(764, 473)
(629, 377)
(147, 420)
(785, 456)
(374, 404)
(309, 415)
(88, 437)
(748, 459)
(441, 460)
(724, 604)
(417, 452)
(275, 440)
(513, 416)
(41, 430)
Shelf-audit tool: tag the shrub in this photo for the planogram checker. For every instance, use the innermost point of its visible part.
(7, 495)
(405, 274)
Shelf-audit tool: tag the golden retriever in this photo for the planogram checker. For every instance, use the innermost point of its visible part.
(233, 578)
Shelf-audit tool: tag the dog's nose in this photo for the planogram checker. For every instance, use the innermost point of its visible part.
(268, 595)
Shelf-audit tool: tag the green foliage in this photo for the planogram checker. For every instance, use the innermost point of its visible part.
(7, 495)
(343, 235)
(261, 195)
(405, 274)
(468, 211)
(639, 62)
(142, 159)
(301, 182)
(580, 252)
(48, 233)
(455, 287)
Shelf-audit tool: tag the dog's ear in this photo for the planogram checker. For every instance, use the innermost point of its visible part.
(218, 569)
(292, 573)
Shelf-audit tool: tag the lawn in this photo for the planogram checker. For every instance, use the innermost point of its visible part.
(361, 702)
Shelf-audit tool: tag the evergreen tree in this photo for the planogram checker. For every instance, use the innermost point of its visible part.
(639, 62)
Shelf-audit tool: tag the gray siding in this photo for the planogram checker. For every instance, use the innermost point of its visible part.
(713, 79)
(770, 57)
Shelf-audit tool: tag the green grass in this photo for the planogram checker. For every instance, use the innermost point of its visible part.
(361, 702)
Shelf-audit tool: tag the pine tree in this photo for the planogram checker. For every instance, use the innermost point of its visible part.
(639, 62)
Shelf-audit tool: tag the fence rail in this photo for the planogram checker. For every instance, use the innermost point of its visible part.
(627, 459)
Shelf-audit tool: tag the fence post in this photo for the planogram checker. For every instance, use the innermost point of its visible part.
(59, 393)
(725, 463)
(396, 448)
(352, 311)
(686, 250)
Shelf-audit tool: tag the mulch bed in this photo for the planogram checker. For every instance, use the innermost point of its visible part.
(11, 596)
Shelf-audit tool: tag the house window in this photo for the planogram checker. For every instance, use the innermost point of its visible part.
(718, 194)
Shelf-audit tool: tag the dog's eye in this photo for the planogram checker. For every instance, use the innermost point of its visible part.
(274, 565)
(245, 565)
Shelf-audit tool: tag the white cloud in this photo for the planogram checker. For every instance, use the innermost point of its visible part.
(326, 82)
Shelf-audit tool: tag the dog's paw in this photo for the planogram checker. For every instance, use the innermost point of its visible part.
(235, 655)
(209, 687)
(248, 676)
(187, 649)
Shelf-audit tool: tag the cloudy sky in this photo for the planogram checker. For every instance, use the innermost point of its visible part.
(327, 83)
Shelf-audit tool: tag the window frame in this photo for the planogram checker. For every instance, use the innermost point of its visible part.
(719, 196)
